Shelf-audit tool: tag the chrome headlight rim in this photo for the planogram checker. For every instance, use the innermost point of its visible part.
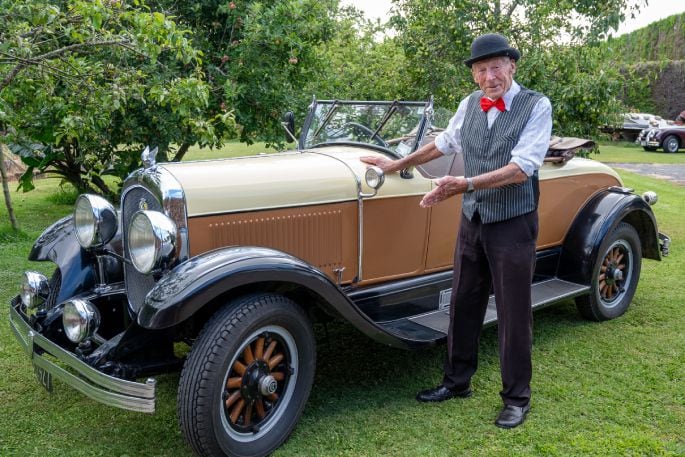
(35, 289)
(95, 221)
(152, 241)
(374, 177)
(80, 320)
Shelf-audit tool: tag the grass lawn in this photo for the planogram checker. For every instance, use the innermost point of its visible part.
(625, 152)
(230, 149)
(614, 388)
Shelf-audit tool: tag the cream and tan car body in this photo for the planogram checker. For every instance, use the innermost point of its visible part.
(304, 224)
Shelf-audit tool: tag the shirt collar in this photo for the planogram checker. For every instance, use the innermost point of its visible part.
(510, 94)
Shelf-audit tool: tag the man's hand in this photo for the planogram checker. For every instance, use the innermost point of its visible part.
(447, 186)
(387, 165)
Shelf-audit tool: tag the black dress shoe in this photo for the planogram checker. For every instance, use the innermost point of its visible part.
(512, 416)
(442, 393)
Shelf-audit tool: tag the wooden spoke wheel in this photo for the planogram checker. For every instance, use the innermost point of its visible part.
(615, 275)
(615, 272)
(247, 377)
(261, 378)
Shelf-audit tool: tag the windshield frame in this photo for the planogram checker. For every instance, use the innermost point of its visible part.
(424, 123)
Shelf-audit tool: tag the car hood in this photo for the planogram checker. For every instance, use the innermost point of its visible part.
(264, 181)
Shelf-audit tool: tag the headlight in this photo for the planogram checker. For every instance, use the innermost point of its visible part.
(95, 221)
(152, 241)
(34, 289)
(80, 320)
(374, 177)
(650, 197)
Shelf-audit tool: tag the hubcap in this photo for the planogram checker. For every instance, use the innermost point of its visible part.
(268, 385)
(672, 144)
(259, 383)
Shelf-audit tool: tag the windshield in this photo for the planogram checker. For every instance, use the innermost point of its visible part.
(391, 125)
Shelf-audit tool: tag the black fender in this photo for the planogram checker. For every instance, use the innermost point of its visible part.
(190, 286)
(600, 215)
(77, 266)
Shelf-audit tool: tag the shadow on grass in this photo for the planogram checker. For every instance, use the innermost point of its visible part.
(356, 373)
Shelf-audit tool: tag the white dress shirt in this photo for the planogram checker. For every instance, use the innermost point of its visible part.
(528, 153)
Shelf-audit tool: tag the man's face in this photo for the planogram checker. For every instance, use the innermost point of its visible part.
(494, 75)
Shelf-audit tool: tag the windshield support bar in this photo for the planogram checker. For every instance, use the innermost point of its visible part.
(325, 120)
(391, 110)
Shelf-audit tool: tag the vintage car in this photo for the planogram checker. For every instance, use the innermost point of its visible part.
(238, 257)
(670, 138)
(632, 124)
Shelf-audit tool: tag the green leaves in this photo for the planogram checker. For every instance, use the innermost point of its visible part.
(557, 38)
(88, 80)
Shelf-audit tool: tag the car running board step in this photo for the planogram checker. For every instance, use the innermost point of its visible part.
(433, 325)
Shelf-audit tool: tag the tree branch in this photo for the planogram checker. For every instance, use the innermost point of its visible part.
(71, 47)
(56, 53)
(512, 7)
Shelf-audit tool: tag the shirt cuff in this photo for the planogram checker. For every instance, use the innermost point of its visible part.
(526, 166)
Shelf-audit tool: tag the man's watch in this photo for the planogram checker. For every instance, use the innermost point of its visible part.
(469, 185)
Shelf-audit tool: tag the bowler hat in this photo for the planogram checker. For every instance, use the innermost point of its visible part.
(491, 45)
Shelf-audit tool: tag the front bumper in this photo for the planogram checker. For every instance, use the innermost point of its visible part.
(72, 371)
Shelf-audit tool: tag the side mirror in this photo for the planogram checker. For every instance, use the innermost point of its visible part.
(288, 124)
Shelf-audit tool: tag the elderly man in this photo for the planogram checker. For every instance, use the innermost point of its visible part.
(503, 131)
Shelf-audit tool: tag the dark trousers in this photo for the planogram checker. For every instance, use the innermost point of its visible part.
(501, 254)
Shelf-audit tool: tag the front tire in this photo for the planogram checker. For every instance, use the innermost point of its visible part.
(614, 276)
(247, 377)
(671, 144)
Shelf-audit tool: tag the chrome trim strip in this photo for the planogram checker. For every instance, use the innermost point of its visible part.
(100, 387)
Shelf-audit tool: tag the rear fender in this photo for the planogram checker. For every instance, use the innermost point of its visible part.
(595, 221)
(192, 285)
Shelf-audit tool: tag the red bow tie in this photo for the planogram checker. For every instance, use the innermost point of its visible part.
(486, 104)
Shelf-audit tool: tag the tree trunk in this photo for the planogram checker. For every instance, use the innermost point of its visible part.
(181, 152)
(6, 188)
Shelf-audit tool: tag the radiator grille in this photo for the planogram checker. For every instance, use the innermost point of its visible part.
(137, 284)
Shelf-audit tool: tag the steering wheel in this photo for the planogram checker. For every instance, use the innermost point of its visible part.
(370, 133)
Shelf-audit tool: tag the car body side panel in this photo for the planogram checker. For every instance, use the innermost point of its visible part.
(561, 199)
(325, 236)
(444, 225)
(395, 238)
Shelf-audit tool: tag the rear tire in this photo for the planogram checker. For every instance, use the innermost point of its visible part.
(614, 276)
(671, 144)
(247, 377)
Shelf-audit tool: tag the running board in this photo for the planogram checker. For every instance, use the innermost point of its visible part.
(433, 325)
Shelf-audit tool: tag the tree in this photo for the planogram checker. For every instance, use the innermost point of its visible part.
(5, 187)
(359, 61)
(258, 55)
(557, 40)
(86, 84)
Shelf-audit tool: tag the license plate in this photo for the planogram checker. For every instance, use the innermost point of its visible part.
(643, 143)
(44, 377)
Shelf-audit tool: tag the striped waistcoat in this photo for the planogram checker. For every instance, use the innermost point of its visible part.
(486, 150)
